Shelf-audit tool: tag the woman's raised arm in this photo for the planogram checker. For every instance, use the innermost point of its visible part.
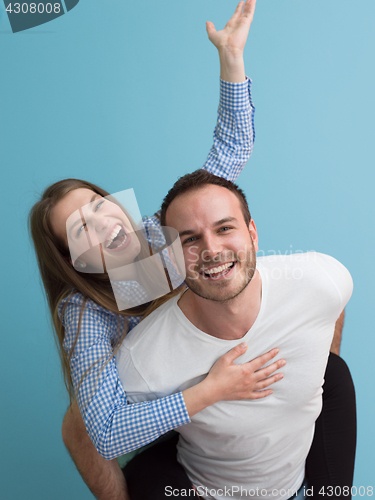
(234, 132)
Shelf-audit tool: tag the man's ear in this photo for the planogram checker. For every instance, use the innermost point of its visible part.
(254, 234)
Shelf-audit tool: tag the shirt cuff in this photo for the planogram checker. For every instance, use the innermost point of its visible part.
(236, 96)
(171, 412)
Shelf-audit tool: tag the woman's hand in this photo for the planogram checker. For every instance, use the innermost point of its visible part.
(231, 41)
(227, 381)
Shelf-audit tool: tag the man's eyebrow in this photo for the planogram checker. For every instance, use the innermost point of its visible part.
(80, 221)
(223, 221)
(189, 232)
(186, 232)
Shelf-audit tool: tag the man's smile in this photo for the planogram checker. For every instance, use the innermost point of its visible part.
(218, 271)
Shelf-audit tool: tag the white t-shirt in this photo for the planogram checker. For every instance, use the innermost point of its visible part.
(257, 446)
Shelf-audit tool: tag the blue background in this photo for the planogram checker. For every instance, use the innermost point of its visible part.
(125, 94)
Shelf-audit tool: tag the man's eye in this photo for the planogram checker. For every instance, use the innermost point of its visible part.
(190, 240)
(225, 228)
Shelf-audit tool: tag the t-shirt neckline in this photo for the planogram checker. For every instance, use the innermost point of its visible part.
(180, 316)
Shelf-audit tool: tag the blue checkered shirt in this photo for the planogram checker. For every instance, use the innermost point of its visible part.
(114, 426)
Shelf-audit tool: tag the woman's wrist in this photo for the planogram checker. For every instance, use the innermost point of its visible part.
(232, 66)
(199, 397)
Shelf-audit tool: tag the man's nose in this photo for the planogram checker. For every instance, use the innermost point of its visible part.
(212, 246)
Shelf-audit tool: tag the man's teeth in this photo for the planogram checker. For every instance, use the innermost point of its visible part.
(215, 270)
(113, 235)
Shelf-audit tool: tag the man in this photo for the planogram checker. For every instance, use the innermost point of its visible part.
(291, 302)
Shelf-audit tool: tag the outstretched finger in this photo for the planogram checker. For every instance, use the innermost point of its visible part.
(234, 353)
(261, 394)
(249, 8)
(266, 372)
(269, 381)
(238, 11)
(263, 359)
(211, 30)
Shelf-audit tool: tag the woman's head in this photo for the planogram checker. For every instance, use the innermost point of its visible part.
(99, 233)
(71, 215)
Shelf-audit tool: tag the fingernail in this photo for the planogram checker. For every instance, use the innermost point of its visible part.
(277, 350)
(283, 362)
(243, 345)
(280, 375)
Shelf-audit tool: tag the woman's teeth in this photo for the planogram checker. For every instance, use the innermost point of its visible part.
(115, 232)
(216, 270)
(122, 243)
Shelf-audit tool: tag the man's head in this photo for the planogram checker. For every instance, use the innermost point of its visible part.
(218, 236)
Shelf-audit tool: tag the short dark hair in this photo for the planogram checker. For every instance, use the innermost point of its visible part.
(198, 179)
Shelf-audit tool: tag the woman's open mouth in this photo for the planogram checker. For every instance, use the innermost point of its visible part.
(117, 239)
(218, 272)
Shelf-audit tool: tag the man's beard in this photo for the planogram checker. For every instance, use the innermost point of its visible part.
(217, 293)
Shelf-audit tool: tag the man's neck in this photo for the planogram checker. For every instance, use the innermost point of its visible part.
(227, 320)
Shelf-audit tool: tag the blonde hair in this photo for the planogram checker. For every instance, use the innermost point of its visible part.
(60, 279)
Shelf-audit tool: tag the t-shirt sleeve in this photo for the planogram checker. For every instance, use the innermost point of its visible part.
(136, 387)
(339, 276)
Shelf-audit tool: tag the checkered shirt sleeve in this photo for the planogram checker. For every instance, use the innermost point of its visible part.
(234, 133)
(114, 426)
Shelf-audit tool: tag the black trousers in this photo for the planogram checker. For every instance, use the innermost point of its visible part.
(329, 465)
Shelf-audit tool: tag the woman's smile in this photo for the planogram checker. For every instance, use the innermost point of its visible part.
(117, 238)
(85, 220)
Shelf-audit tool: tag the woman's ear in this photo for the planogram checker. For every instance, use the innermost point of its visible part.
(78, 264)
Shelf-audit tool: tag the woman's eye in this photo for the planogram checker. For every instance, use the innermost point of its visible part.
(99, 205)
(81, 229)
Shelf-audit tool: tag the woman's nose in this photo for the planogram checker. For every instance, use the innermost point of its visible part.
(98, 228)
(100, 223)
